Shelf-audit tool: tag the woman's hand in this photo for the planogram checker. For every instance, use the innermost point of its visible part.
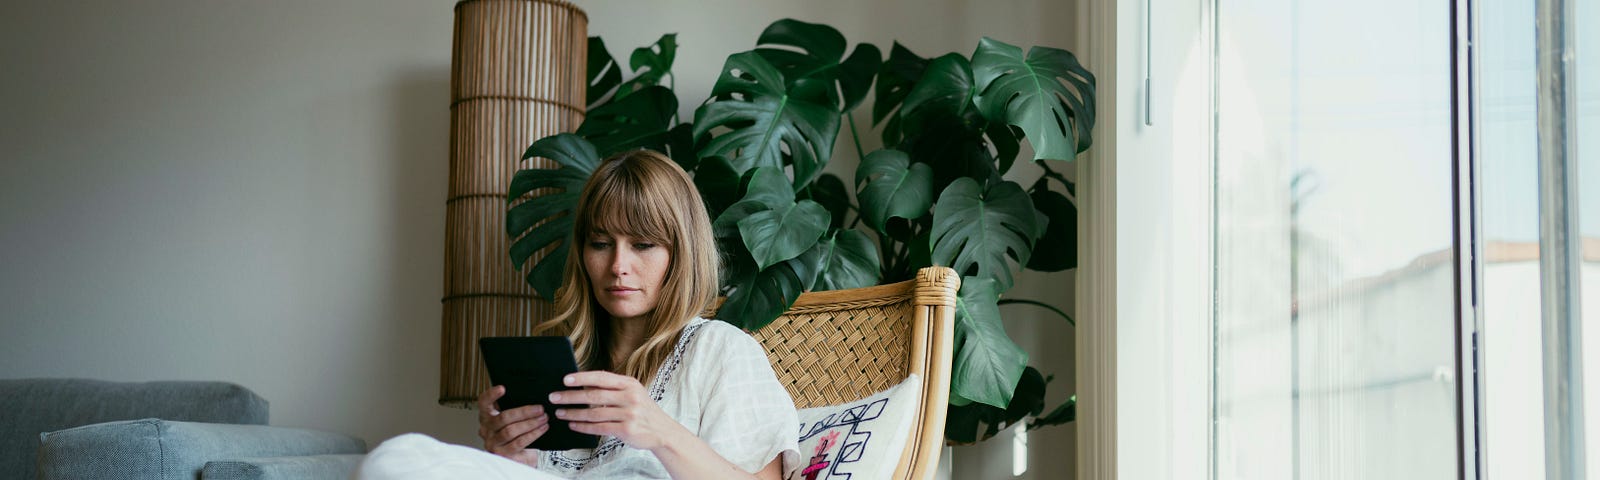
(618, 407)
(508, 433)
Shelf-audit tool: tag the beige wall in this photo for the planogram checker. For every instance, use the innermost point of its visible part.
(254, 191)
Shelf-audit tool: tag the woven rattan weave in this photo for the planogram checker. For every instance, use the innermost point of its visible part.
(837, 346)
(516, 75)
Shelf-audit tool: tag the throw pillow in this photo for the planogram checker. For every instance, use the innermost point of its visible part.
(858, 440)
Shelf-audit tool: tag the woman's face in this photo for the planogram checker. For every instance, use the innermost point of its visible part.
(626, 273)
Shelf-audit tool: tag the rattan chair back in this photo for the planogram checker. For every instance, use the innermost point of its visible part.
(842, 345)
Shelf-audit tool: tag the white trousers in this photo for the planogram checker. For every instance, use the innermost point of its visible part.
(415, 456)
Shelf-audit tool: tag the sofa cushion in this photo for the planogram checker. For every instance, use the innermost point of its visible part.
(153, 448)
(38, 405)
(310, 467)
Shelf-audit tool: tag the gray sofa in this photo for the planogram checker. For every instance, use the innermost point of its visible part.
(90, 429)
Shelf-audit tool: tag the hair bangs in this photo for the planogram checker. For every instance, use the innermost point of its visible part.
(624, 206)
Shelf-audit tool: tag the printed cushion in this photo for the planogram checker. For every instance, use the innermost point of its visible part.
(858, 440)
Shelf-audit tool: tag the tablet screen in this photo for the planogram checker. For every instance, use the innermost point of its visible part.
(531, 368)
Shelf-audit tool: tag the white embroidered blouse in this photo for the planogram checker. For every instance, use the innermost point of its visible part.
(719, 384)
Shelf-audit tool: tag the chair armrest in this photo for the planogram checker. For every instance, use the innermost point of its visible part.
(308, 467)
(153, 448)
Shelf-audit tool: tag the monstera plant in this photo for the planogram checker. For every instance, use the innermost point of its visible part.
(935, 195)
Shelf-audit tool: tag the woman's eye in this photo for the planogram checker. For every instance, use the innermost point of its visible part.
(599, 245)
(643, 246)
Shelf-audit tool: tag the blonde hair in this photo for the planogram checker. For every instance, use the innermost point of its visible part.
(640, 194)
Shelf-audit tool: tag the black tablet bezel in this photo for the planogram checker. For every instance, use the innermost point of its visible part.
(531, 368)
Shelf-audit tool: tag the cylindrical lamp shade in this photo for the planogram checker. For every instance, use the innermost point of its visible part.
(517, 75)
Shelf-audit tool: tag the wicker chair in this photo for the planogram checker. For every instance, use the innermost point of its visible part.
(838, 346)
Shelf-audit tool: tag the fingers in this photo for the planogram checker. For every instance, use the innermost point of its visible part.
(488, 426)
(510, 436)
(519, 414)
(521, 442)
(608, 429)
(600, 388)
(590, 397)
(600, 379)
(595, 414)
(486, 401)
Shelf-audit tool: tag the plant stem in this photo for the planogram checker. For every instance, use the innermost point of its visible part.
(1040, 304)
(860, 153)
(672, 84)
(886, 261)
(1051, 174)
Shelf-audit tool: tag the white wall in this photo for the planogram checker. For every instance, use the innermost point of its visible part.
(254, 191)
(240, 191)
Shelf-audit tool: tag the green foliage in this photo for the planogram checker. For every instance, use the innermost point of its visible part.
(811, 56)
(951, 126)
(578, 160)
(650, 64)
(784, 228)
(1061, 231)
(640, 120)
(1028, 92)
(891, 186)
(763, 118)
(974, 230)
(987, 363)
(845, 259)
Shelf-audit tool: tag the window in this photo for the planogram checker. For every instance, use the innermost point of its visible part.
(1370, 243)
(1335, 289)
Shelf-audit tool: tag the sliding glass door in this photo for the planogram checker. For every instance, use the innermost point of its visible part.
(1381, 308)
(1335, 341)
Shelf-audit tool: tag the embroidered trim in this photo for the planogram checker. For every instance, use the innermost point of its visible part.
(658, 389)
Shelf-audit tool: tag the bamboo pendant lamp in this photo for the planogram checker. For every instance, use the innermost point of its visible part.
(516, 75)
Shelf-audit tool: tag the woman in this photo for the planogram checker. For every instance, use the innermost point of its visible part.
(670, 394)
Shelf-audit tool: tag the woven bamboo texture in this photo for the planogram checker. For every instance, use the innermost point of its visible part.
(517, 75)
(843, 345)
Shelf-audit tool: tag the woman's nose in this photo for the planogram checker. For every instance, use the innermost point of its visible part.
(619, 263)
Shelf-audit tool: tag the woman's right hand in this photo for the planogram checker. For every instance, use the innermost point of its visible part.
(509, 433)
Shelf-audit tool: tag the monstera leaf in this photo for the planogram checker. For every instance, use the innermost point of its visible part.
(650, 64)
(962, 423)
(845, 259)
(786, 228)
(578, 160)
(763, 118)
(1061, 233)
(987, 363)
(1066, 412)
(891, 186)
(737, 262)
(1029, 92)
(975, 229)
(760, 296)
(829, 191)
(718, 184)
(946, 88)
(640, 120)
(783, 233)
(811, 57)
(896, 77)
(603, 73)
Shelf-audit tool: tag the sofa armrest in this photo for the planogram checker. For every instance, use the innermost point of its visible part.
(308, 467)
(153, 448)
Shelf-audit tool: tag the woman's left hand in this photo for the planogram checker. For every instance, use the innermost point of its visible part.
(618, 407)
